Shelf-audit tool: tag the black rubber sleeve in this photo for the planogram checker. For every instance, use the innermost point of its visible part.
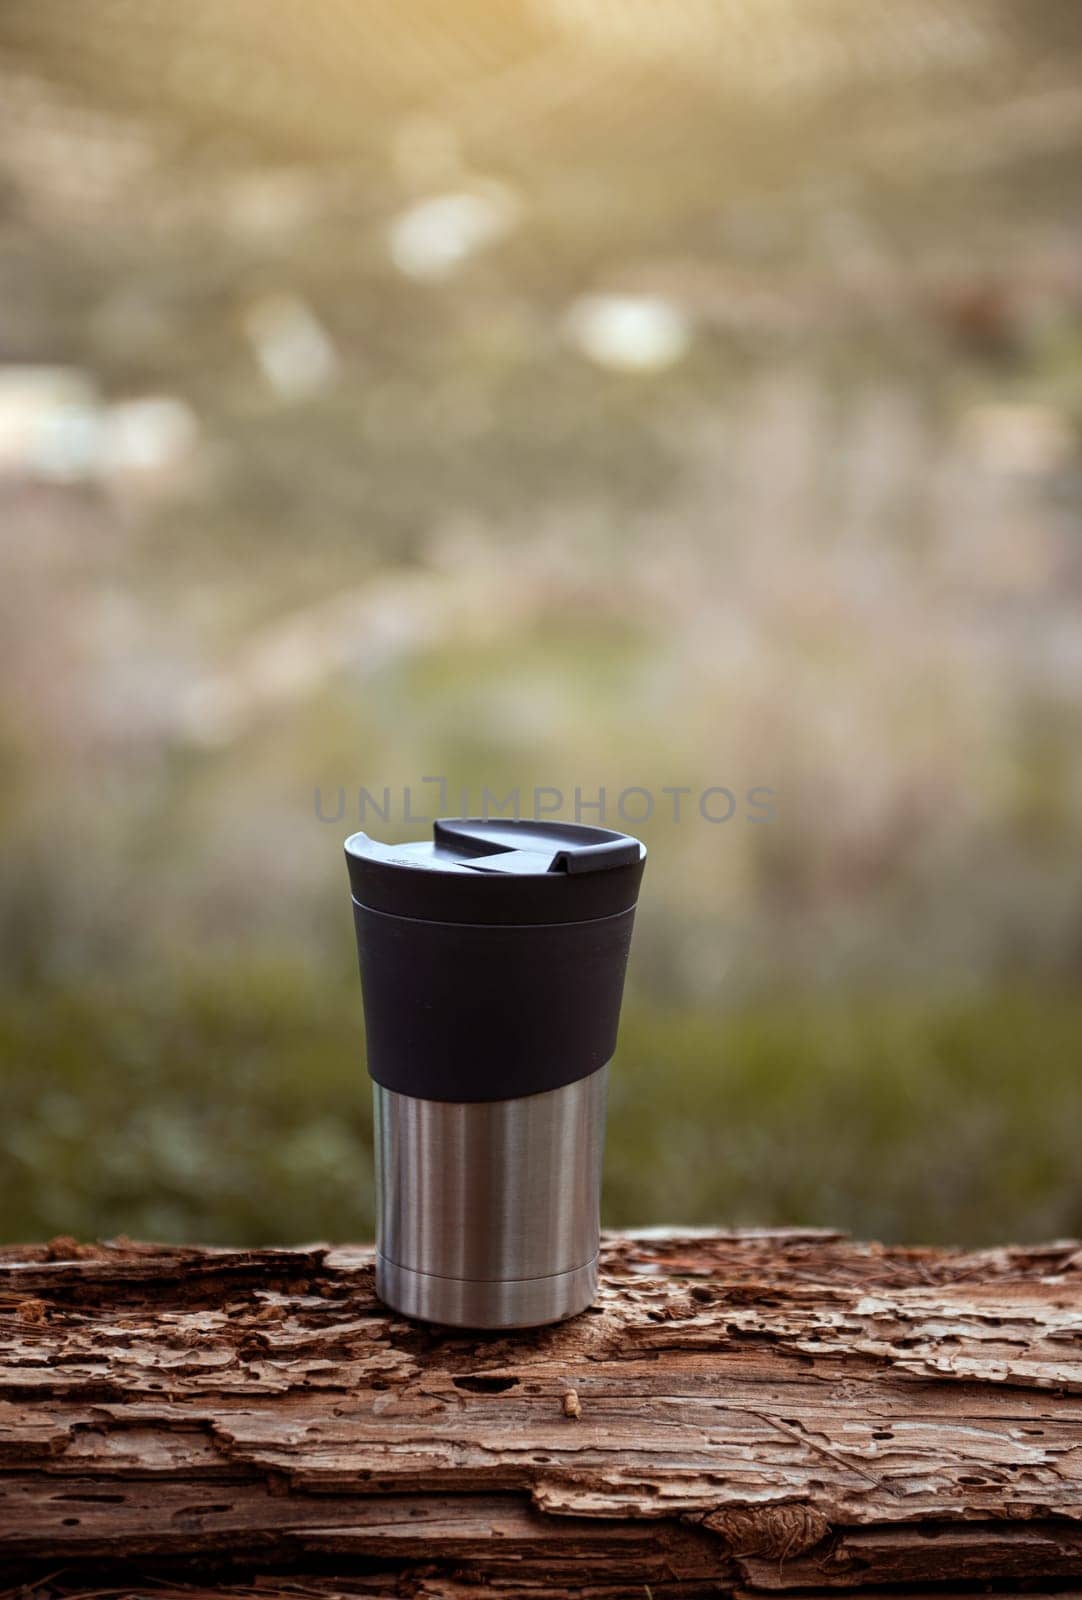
(468, 1011)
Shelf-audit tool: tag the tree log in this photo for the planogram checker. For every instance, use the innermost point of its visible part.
(739, 1414)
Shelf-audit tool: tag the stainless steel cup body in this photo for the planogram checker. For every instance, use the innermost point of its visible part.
(489, 1211)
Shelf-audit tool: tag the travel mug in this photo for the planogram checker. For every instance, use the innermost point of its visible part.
(492, 968)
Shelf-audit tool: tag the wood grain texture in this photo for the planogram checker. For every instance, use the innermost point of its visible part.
(739, 1414)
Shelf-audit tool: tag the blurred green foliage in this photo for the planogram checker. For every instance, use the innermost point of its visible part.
(285, 508)
(232, 1105)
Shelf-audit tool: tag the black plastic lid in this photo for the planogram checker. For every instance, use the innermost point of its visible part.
(476, 870)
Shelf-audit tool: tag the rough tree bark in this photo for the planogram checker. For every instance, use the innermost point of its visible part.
(739, 1414)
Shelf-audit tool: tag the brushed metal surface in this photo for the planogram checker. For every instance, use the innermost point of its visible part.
(504, 1193)
(466, 1303)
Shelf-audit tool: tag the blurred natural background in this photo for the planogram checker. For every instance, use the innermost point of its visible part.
(597, 392)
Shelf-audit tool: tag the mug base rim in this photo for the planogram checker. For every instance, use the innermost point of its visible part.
(497, 1303)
